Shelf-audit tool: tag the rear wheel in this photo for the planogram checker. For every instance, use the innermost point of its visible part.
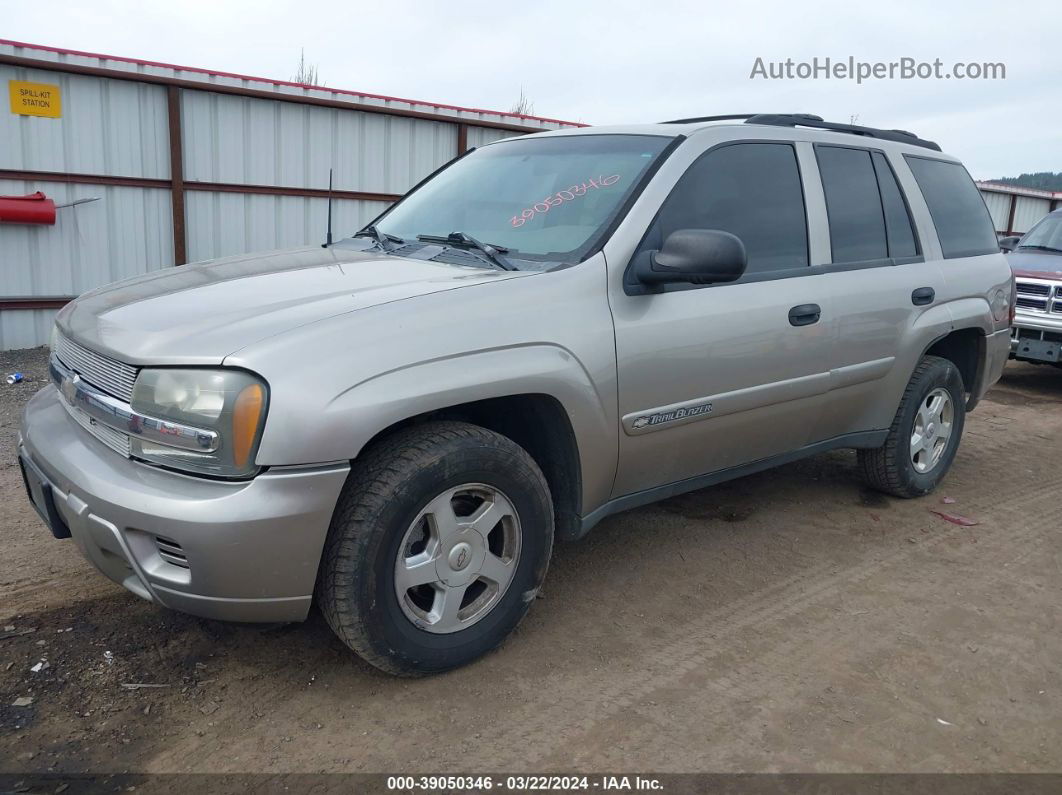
(924, 435)
(438, 545)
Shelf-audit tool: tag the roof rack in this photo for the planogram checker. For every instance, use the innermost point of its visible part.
(816, 122)
(695, 119)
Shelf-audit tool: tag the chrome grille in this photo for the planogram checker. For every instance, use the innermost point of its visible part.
(1039, 296)
(1033, 288)
(102, 372)
(116, 440)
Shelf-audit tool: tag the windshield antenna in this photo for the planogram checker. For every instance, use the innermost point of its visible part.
(328, 233)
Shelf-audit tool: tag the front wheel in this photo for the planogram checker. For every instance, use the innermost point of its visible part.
(924, 435)
(439, 544)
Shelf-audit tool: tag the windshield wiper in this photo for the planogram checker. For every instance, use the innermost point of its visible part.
(491, 252)
(1044, 248)
(383, 240)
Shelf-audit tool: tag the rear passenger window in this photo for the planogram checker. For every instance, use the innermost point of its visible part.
(963, 224)
(853, 203)
(751, 190)
(898, 227)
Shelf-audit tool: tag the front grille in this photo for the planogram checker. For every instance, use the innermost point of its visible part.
(1039, 304)
(104, 373)
(116, 440)
(171, 552)
(1033, 288)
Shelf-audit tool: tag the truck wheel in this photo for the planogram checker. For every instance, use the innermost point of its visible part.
(439, 543)
(924, 435)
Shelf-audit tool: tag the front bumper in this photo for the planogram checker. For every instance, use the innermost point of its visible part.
(239, 551)
(1037, 337)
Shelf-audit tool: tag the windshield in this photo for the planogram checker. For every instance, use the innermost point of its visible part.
(1046, 234)
(539, 198)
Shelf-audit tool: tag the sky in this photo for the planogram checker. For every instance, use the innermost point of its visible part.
(604, 62)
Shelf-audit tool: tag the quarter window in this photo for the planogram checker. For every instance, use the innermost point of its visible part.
(751, 190)
(963, 224)
(898, 228)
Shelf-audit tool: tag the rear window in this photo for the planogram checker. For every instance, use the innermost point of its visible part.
(857, 225)
(867, 212)
(963, 224)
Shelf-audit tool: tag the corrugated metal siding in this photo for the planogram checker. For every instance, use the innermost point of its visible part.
(1028, 211)
(999, 206)
(261, 142)
(25, 328)
(118, 128)
(127, 232)
(478, 136)
(108, 127)
(220, 224)
(470, 115)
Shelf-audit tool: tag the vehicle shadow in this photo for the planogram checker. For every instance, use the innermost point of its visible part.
(1024, 383)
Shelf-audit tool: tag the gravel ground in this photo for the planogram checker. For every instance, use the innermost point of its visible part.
(788, 621)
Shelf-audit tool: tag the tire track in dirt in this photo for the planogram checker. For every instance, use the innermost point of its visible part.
(692, 648)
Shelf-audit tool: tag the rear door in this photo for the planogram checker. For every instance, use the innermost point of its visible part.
(712, 376)
(883, 290)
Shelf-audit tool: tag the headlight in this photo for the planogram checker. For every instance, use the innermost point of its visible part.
(230, 402)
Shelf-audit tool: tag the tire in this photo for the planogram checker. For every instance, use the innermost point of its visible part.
(393, 520)
(892, 468)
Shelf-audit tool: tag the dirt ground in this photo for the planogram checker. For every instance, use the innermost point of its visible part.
(788, 621)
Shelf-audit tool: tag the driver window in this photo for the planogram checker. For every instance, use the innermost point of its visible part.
(751, 190)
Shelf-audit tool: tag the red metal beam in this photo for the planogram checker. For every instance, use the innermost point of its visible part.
(1010, 215)
(82, 179)
(219, 187)
(35, 302)
(173, 117)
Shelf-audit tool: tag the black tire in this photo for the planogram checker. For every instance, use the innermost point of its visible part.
(890, 468)
(389, 486)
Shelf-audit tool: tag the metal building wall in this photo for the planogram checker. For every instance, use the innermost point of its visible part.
(108, 127)
(1028, 211)
(478, 136)
(259, 142)
(221, 224)
(1016, 210)
(999, 206)
(249, 170)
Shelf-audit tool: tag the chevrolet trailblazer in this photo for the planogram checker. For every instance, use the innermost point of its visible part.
(549, 330)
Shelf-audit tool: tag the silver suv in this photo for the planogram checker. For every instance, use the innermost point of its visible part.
(547, 331)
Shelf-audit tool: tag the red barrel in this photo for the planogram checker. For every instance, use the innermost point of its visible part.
(33, 209)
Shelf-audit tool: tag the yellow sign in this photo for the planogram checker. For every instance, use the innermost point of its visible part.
(35, 99)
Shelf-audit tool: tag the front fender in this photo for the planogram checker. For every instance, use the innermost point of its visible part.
(346, 422)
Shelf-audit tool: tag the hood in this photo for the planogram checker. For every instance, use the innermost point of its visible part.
(1036, 264)
(199, 314)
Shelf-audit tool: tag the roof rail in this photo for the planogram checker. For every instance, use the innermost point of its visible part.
(816, 122)
(695, 119)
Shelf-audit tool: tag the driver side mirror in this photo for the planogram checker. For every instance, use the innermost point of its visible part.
(695, 256)
(1009, 243)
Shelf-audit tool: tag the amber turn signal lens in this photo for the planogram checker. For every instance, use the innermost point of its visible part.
(246, 414)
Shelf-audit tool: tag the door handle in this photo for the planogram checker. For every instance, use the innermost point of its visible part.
(923, 296)
(805, 314)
